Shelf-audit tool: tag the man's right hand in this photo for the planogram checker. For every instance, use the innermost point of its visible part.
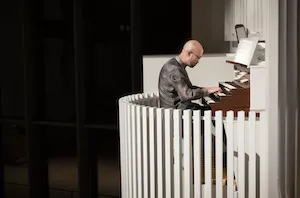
(211, 90)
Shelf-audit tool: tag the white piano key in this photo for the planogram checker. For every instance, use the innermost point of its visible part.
(209, 100)
(244, 80)
(228, 86)
(221, 94)
(240, 75)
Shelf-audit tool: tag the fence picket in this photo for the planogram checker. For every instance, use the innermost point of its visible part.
(139, 150)
(134, 154)
(146, 169)
(169, 153)
(208, 154)
(197, 154)
(241, 153)
(152, 148)
(263, 135)
(252, 155)
(122, 144)
(129, 149)
(160, 153)
(177, 153)
(230, 152)
(126, 174)
(187, 134)
(219, 155)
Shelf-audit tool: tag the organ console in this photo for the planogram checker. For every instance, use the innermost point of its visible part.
(235, 94)
(238, 95)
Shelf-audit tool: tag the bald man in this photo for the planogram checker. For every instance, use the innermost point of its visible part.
(175, 88)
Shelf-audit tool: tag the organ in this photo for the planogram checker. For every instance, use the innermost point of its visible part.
(235, 94)
(246, 91)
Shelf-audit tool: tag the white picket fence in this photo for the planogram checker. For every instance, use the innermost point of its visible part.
(162, 152)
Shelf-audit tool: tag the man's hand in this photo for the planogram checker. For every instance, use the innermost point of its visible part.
(214, 90)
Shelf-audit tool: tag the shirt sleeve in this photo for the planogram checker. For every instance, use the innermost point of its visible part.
(184, 91)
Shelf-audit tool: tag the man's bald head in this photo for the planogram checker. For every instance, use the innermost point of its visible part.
(191, 53)
(193, 46)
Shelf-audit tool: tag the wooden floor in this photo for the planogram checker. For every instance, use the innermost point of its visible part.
(61, 151)
(63, 179)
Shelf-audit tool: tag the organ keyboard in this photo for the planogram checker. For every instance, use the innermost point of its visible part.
(235, 94)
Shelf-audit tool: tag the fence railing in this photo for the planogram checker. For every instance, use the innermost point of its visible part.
(183, 154)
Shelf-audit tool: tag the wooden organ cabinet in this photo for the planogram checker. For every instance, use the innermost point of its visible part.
(246, 92)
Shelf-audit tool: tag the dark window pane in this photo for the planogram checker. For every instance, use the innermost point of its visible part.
(12, 69)
(109, 78)
(62, 157)
(56, 91)
(106, 147)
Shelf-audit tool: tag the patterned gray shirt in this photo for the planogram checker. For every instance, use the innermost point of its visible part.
(175, 87)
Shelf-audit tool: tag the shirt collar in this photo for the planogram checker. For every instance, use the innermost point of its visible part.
(180, 62)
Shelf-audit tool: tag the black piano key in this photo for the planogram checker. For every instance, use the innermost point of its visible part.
(215, 97)
(224, 89)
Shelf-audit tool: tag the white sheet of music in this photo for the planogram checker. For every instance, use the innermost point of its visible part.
(245, 51)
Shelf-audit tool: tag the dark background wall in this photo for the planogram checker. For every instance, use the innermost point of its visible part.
(208, 25)
(164, 30)
(165, 26)
(62, 73)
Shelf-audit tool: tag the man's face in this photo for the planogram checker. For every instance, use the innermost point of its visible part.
(195, 57)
